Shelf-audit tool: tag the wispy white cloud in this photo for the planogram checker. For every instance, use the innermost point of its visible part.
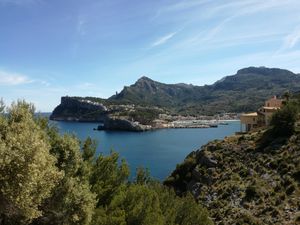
(184, 5)
(255, 6)
(291, 39)
(222, 15)
(80, 31)
(81, 25)
(41, 82)
(240, 9)
(203, 42)
(85, 86)
(10, 79)
(212, 8)
(164, 39)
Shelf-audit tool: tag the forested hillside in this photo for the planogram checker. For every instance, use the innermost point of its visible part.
(46, 178)
(244, 91)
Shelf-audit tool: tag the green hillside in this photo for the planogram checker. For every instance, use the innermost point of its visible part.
(244, 91)
(250, 178)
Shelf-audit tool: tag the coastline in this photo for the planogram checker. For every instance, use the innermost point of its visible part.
(134, 126)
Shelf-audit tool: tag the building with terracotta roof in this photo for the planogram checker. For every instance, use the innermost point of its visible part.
(263, 115)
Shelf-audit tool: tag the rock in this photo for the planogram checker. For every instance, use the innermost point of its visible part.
(194, 187)
(79, 110)
(202, 178)
(206, 159)
(293, 138)
(122, 124)
(82, 103)
(211, 147)
(211, 171)
(197, 175)
(251, 172)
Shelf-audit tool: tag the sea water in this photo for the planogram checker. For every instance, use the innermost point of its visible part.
(159, 150)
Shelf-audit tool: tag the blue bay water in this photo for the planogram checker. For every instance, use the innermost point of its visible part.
(159, 150)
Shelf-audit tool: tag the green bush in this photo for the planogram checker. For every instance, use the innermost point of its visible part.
(251, 193)
(248, 219)
(283, 121)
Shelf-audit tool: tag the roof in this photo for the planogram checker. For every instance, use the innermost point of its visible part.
(265, 107)
(250, 114)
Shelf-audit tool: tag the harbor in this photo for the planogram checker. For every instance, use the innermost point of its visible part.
(192, 124)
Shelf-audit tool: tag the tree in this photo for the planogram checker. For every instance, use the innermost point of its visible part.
(190, 213)
(2, 105)
(72, 201)
(141, 205)
(89, 150)
(142, 176)
(88, 155)
(27, 169)
(180, 210)
(283, 121)
(47, 178)
(138, 204)
(108, 176)
(66, 149)
(287, 96)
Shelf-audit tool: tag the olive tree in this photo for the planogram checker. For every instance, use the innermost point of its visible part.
(27, 169)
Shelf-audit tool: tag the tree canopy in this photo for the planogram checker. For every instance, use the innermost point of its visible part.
(49, 178)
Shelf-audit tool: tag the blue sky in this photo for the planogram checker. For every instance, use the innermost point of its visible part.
(52, 48)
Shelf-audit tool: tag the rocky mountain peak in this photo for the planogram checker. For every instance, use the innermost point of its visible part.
(144, 79)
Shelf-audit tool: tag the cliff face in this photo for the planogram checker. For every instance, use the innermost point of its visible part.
(77, 109)
(122, 125)
(242, 183)
(84, 110)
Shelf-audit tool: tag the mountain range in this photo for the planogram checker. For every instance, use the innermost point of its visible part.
(242, 92)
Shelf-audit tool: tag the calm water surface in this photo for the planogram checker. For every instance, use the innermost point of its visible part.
(158, 150)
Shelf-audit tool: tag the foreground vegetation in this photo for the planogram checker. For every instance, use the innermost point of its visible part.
(252, 178)
(48, 178)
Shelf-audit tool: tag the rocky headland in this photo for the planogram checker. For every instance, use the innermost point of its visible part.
(242, 181)
(109, 116)
(123, 125)
(80, 110)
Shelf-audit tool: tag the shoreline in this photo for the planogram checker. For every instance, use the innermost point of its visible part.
(179, 124)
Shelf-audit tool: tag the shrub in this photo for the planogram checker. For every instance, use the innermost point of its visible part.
(251, 193)
(290, 189)
(248, 219)
(283, 121)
